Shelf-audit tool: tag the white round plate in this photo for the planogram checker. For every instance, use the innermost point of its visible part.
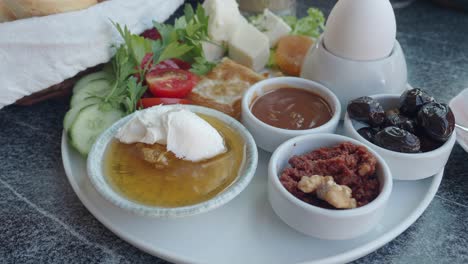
(246, 230)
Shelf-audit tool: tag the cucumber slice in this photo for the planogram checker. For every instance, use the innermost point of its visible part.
(97, 87)
(89, 124)
(83, 82)
(73, 112)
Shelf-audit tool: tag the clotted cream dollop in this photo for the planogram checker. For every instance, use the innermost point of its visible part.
(183, 132)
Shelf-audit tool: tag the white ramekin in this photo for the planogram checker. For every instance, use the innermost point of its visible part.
(316, 221)
(269, 137)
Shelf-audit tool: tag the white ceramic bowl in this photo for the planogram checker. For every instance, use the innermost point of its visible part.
(350, 79)
(98, 179)
(315, 221)
(269, 137)
(404, 166)
(459, 106)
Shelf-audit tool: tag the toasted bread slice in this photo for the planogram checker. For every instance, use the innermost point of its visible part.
(223, 87)
(5, 13)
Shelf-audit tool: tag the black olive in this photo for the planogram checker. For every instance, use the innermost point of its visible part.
(394, 118)
(366, 109)
(367, 133)
(412, 100)
(409, 125)
(396, 139)
(428, 144)
(437, 121)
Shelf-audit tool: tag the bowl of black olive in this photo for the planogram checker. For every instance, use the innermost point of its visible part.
(413, 132)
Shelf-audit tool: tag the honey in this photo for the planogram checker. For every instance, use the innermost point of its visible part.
(181, 182)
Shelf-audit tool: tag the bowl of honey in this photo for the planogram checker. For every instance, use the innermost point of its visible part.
(151, 181)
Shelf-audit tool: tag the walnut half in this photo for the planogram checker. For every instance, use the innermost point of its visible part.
(325, 187)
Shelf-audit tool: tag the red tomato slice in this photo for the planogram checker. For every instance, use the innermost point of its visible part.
(180, 64)
(147, 61)
(166, 64)
(172, 83)
(172, 64)
(149, 102)
(151, 34)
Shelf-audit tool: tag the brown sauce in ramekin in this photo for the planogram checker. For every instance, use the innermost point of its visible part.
(292, 108)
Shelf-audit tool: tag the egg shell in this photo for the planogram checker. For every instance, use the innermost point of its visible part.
(361, 29)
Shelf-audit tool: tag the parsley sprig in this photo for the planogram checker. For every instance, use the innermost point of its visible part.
(126, 89)
(184, 40)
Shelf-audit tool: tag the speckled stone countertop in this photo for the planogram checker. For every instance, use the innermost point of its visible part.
(43, 221)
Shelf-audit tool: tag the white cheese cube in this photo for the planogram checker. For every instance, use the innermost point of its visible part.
(273, 27)
(224, 18)
(212, 52)
(249, 47)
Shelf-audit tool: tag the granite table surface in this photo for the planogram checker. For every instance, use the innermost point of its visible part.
(43, 221)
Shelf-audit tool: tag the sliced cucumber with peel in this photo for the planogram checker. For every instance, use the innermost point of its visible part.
(73, 112)
(90, 122)
(83, 82)
(94, 88)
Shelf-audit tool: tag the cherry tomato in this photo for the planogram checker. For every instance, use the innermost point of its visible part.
(149, 102)
(180, 63)
(151, 34)
(166, 64)
(147, 62)
(172, 83)
(172, 64)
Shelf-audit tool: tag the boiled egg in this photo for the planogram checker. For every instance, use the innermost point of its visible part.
(361, 29)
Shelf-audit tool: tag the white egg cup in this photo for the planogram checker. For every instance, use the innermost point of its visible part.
(350, 79)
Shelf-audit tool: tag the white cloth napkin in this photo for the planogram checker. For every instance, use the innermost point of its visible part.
(39, 52)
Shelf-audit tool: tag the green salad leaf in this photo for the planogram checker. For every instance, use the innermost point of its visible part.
(201, 66)
(173, 50)
(311, 25)
(184, 39)
(258, 21)
(136, 46)
(272, 60)
(188, 12)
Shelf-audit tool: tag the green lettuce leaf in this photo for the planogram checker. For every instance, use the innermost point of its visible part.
(312, 25)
